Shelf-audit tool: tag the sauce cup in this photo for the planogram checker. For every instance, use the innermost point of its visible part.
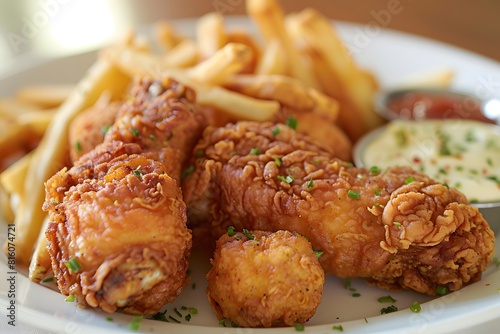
(464, 154)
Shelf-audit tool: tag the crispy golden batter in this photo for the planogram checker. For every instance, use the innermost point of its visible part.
(118, 212)
(87, 130)
(397, 227)
(274, 279)
(122, 218)
(160, 115)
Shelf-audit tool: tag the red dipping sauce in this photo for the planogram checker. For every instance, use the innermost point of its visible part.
(431, 104)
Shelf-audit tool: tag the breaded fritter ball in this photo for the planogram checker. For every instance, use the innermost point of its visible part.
(263, 279)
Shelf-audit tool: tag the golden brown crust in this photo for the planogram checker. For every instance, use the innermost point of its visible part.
(272, 280)
(348, 213)
(123, 223)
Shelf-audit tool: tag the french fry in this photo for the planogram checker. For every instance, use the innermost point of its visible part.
(269, 17)
(184, 54)
(288, 91)
(273, 59)
(37, 121)
(50, 155)
(354, 88)
(241, 107)
(166, 36)
(44, 96)
(441, 78)
(210, 34)
(40, 264)
(243, 37)
(230, 59)
(12, 184)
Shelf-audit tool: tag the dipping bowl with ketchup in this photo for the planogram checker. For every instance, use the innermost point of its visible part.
(451, 136)
(433, 103)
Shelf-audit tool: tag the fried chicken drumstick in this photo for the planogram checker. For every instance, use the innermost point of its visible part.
(117, 235)
(397, 227)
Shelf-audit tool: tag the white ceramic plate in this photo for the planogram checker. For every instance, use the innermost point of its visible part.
(392, 56)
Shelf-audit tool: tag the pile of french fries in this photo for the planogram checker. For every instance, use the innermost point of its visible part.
(297, 61)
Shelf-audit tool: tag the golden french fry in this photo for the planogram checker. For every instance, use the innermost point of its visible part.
(13, 137)
(11, 108)
(273, 59)
(184, 54)
(440, 78)
(50, 155)
(40, 264)
(12, 185)
(352, 87)
(45, 96)
(243, 37)
(288, 91)
(210, 34)
(166, 36)
(6, 211)
(37, 121)
(269, 17)
(230, 59)
(241, 107)
(134, 62)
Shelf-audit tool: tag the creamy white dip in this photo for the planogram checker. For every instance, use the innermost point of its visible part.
(460, 153)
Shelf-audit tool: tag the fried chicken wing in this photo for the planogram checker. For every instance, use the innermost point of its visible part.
(121, 219)
(397, 227)
(264, 279)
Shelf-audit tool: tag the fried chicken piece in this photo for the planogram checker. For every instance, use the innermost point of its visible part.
(264, 279)
(160, 115)
(118, 212)
(398, 227)
(121, 219)
(87, 130)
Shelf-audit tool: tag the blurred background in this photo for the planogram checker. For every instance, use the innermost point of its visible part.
(36, 29)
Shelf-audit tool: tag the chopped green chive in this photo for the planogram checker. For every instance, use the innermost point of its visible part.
(397, 224)
(386, 299)
(276, 131)
(200, 153)
(299, 327)
(73, 265)
(174, 319)
(255, 151)
(288, 179)
(388, 309)
(78, 146)
(109, 319)
(310, 184)
(353, 194)
(375, 170)
(247, 234)
(338, 328)
(179, 314)
(192, 310)
(70, 299)
(135, 132)
(277, 161)
(291, 122)
(152, 137)
(48, 279)
(441, 290)
(409, 180)
(187, 171)
(415, 307)
(105, 129)
(377, 192)
(318, 253)
(137, 173)
(230, 231)
(356, 294)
